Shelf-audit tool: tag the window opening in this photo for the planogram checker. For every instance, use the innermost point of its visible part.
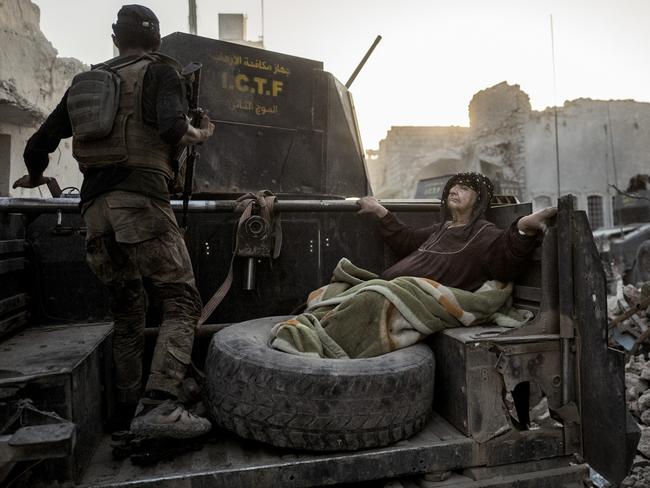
(5, 164)
(595, 211)
(540, 202)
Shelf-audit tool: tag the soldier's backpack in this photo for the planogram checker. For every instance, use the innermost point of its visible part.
(93, 100)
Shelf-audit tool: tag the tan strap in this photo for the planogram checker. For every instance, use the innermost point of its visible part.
(266, 201)
(218, 296)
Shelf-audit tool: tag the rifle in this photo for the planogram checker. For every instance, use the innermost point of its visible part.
(187, 156)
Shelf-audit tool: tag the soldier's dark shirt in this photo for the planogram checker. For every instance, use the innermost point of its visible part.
(163, 107)
(450, 257)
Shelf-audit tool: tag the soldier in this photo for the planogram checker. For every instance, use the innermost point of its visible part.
(132, 235)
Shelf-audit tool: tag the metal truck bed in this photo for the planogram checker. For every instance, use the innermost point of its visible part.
(234, 462)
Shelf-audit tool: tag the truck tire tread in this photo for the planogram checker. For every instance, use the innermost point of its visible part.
(315, 404)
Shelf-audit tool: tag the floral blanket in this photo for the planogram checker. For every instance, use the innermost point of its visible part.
(358, 315)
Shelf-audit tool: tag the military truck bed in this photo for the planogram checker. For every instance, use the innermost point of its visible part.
(229, 461)
(564, 287)
(233, 462)
(56, 365)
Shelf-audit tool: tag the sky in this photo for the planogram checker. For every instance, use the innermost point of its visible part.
(433, 57)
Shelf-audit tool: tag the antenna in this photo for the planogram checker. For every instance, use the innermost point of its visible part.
(557, 145)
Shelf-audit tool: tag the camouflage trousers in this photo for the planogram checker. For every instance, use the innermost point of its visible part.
(135, 247)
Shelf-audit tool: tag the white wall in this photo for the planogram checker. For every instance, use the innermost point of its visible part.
(33, 75)
(62, 166)
(597, 148)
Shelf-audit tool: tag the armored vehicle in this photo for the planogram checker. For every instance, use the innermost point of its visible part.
(626, 246)
(526, 407)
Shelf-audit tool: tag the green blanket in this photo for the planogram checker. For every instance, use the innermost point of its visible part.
(358, 315)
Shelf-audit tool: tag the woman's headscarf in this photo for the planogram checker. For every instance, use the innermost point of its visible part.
(483, 187)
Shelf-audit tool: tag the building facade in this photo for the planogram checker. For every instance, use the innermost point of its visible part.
(601, 145)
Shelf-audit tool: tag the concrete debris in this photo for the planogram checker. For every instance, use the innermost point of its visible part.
(16, 109)
(644, 401)
(641, 462)
(639, 478)
(638, 403)
(644, 443)
(629, 321)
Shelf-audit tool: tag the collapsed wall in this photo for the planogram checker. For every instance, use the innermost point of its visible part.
(32, 81)
(497, 145)
(407, 154)
(494, 144)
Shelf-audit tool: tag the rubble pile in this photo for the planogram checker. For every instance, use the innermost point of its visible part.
(637, 382)
(629, 318)
(629, 315)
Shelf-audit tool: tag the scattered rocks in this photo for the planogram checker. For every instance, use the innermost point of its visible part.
(644, 443)
(639, 478)
(641, 462)
(644, 401)
(629, 316)
(645, 417)
(645, 373)
(638, 403)
(637, 370)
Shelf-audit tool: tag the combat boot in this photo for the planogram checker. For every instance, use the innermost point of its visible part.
(167, 419)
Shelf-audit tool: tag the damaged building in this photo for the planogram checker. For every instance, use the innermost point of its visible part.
(32, 81)
(601, 145)
(415, 156)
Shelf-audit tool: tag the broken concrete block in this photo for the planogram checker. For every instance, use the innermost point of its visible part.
(635, 385)
(632, 294)
(644, 401)
(645, 417)
(644, 443)
(640, 462)
(645, 372)
(645, 289)
(635, 365)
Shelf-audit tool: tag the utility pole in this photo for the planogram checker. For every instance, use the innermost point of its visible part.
(262, 23)
(192, 17)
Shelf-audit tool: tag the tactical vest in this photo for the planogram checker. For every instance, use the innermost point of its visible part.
(131, 143)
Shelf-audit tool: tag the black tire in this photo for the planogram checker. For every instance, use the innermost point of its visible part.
(312, 403)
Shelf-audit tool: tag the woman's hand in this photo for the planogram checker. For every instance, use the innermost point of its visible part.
(536, 222)
(370, 205)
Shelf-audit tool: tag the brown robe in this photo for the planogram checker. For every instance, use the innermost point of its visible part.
(450, 257)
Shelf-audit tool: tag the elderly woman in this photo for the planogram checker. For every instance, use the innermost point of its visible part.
(443, 280)
(463, 250)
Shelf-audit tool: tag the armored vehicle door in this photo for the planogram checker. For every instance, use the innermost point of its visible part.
(608, 433)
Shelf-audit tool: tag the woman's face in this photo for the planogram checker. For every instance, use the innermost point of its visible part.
(461, 198)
